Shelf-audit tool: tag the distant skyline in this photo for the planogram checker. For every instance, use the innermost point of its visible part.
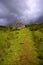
(27, 11)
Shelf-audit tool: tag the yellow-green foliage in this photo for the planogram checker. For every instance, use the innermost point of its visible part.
(21, 47)
(17, 47)
(38, 39)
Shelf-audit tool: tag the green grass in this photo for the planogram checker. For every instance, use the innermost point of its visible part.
(38, 39)
(21, 47)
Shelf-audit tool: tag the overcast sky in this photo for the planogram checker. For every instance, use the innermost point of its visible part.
(26, 11)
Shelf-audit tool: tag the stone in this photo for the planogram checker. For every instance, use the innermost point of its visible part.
(18, 25)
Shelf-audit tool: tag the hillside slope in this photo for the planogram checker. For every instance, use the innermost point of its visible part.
(21, 47)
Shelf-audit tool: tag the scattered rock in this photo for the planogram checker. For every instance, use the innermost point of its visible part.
(18, 25)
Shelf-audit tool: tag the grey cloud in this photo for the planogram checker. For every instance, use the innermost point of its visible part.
(3, 10)
(23, 10)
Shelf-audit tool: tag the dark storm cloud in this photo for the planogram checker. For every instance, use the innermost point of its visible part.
(21, 10)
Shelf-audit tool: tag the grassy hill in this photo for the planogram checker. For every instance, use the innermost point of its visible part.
(22, 47)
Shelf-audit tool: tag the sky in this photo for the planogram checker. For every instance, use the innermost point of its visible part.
(26, 11)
